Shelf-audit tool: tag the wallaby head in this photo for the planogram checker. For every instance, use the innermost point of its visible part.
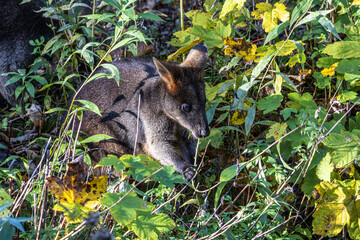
(183, 95)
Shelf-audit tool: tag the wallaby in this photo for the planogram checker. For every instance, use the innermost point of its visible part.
(158, 111)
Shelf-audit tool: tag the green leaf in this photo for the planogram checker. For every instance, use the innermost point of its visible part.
(15, 222)
(241, 93)
(261, 65)
(148, 227)
(2, 146)
(126, 210)
(211, 112)
(270, 103)
(39, 79)
(111, 160)
(35, 66)
(347, 96)
(230, 172)
(130, 13)
(322, 82)
(312, 16)
(299, 10)
(96, 138)
(123, 43)
(168, 177)
(215, 138)
(325, 168)
(215, 36)
(151, 16)
(218, 193)
(30, 88)
(18, 91)
(249, 119)
(300, 102)
(286, 113)
(276, 32)
(7, 231)
(191, 201)
(90, 106)
(345, 147)
(344, 49)
(51, 42)
(12, 80)
(5, 206)
(55, 110)
(62, 83)
(326, 62)
(113, 71)
(309, 182)
(349, 66)
(327, 24)
(139, 166)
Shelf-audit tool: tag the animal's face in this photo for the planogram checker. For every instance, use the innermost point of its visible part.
(184, 99)
(187, 106)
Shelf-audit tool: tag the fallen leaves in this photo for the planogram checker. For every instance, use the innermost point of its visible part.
(75, 195)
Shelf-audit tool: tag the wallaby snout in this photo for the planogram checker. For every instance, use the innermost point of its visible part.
(204, 132)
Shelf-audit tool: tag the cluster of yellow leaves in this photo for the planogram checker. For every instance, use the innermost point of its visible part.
(230, 5)
(330, 71)
(337, 205)
(76, 197)
(239, 47)
(356, 2)
(270, 14)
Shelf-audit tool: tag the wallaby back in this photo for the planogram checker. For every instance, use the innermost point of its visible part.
(166, 100)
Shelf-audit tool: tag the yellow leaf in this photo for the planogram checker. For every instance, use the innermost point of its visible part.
(270, 15)
(102, 53)
(297, 58)
(184, 50)
(356, 2)
(73, 193)
(263, 51)
(330, 71)
(230, 5)
(239, 47)
(287, 49)
(238, 118)
(305, 72)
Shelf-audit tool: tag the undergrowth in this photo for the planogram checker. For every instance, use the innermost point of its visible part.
(282, 87)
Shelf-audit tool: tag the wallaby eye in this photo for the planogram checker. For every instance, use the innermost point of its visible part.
(185, 107)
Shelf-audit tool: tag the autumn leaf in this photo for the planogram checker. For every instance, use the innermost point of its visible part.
(183, 50)
(238, 118)
(337, 205)
(240, 48)
(76, 197)
(330, 71)
(270, 15)
(230, 5)
(277, 131)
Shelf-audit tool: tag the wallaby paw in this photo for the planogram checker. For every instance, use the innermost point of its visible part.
(189, 173)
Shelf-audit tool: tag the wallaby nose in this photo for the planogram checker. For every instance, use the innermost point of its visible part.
(204, 132)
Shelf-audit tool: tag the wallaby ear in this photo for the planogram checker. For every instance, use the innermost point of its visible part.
(197, 57)
(172, 85)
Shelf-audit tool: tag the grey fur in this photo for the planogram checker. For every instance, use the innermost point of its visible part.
(164, 128)
(18, 25)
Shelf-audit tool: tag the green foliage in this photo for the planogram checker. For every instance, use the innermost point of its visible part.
(260, 169)
(131, 211)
